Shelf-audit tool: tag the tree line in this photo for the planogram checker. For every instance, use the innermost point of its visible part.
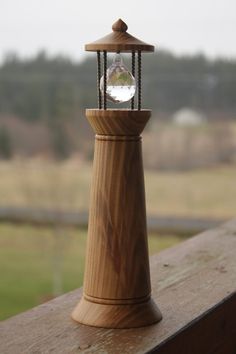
(55, 90)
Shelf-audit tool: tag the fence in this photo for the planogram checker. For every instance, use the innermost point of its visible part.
(156, 224)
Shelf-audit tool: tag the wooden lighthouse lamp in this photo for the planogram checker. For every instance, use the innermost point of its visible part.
(117, 290)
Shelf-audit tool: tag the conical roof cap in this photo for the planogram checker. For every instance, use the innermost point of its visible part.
(119, 41)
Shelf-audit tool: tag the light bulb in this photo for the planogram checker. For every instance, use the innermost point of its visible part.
(120, 82)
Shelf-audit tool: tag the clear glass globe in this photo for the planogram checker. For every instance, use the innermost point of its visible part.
(120, 82)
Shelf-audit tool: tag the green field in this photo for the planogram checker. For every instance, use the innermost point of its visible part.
(38, 263)
(29, 257)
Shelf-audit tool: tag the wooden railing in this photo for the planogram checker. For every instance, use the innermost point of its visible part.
(194, 284)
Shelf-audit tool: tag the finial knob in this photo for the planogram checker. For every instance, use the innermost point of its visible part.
(119, 26)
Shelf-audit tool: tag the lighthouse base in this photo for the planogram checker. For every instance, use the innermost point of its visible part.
(116, 315)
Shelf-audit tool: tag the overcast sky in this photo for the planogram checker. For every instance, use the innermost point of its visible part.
(63, 26)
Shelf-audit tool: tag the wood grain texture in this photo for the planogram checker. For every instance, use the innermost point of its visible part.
(120, 315)
(119, 41)
(119, 26)
(117, 278)
(195, 285)
(117, 257)
(118, 122)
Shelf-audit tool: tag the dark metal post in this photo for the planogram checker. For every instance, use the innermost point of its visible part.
(133, 73)
(139, 80)
(105, 80)
(98, 80)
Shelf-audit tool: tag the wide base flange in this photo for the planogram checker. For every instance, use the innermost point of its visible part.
(117, 315)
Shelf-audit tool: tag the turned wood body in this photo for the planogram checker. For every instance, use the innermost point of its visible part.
(117, 264)
(117, 222)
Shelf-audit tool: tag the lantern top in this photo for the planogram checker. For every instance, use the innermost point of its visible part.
(119, 41)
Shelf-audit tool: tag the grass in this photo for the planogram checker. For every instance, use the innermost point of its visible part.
(27, 263)
(207, 192)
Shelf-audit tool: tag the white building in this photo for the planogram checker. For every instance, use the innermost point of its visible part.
(187, 116)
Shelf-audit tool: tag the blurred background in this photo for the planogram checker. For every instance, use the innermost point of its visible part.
(46, 144)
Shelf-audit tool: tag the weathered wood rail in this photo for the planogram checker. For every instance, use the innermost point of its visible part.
(161, 224)
(194, 283)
